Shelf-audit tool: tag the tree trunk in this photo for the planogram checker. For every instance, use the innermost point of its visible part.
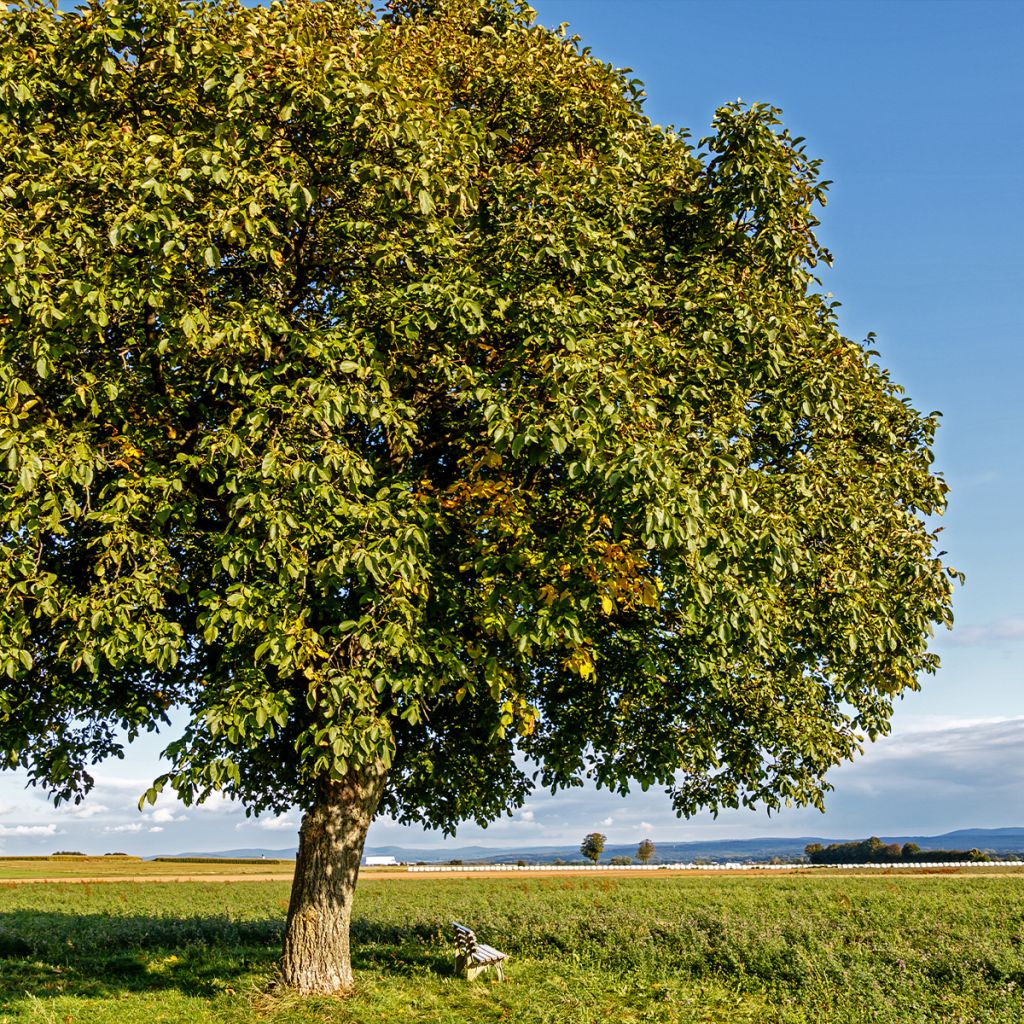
(316, 958)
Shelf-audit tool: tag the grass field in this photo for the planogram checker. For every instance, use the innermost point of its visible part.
(811, 949)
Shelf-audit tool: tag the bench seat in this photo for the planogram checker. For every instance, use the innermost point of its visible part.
(472, 957)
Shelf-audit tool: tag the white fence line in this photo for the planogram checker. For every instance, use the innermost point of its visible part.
(730, 866)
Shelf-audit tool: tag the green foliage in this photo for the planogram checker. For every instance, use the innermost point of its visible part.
(779, 950)
(645, 851)
(390, 391)
(593, 845)
(874, 851)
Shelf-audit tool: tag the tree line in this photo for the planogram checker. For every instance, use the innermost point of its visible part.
(874, 851)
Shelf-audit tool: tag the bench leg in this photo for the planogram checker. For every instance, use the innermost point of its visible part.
(471, 971)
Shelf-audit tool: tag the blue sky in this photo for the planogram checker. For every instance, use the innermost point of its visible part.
(917, 109)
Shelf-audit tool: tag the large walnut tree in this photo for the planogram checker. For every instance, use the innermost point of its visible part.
(385, 396)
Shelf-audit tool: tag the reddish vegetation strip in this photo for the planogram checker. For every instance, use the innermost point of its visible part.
(407, 876)
(99, 879)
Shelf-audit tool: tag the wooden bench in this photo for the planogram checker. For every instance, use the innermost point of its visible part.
(472, 958)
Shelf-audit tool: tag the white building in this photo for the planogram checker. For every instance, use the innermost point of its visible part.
(380, 862)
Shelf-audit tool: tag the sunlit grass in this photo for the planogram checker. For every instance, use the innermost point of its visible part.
(582, 950)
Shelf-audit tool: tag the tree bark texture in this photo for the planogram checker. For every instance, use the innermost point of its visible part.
(316, 958)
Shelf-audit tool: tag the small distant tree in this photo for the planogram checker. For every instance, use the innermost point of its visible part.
(622, 861)
(645, 851)
(593, 845)
(911, 851)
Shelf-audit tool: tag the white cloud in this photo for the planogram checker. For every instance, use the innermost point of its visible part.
(218, 804)
(28, 830)
(608, 821)
(134, 827)
(164, 815)
(278, 824)
(136, 786)
(526, 815)
(84, 811)
(646, 826)
(156, 828)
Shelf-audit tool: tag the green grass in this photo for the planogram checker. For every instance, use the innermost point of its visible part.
(584, 950)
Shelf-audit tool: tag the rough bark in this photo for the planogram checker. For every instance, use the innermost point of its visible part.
(316, 959)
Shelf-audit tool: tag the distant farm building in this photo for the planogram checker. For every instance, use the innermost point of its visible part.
(381, 862)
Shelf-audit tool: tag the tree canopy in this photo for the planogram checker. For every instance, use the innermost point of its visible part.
(386, 394)
(593, 846)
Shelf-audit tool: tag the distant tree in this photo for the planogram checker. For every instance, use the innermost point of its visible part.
(621, 861)
(645, 851)
(593, 845)
(874, 851)
(387, 400)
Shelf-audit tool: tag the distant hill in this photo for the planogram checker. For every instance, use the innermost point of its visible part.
(995, 840)
(286, 854)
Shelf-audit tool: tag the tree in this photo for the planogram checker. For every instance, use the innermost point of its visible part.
(645, 851)
(388, 400)
(593, 845)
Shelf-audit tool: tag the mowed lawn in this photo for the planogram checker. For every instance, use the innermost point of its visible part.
(712, 948)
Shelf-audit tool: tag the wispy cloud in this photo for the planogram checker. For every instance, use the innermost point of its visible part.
(28, 830)
(990, 633)
(138, 786)
(133, 827)
(219, 804)
(85, 811)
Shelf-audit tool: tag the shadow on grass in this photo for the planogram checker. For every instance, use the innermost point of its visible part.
(45, 954)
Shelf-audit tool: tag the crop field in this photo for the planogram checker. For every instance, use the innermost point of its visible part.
(132, 867)
(813, 949)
